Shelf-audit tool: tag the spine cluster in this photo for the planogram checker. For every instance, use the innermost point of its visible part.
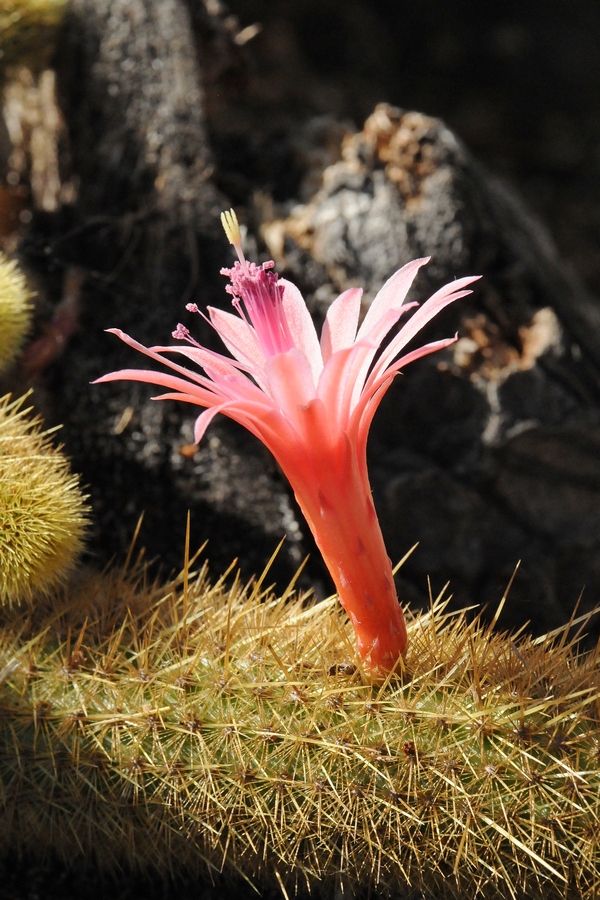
(27, 27)
(15, 311)
(42, 510)
(203, 730)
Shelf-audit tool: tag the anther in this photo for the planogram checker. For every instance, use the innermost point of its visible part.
(181, 333)
(231, 228)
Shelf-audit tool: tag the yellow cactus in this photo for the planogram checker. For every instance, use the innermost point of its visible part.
(42, 510)
(26, 30)
(15, 311)
(201, 729)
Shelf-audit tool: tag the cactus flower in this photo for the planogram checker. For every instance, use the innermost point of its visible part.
(311, 402)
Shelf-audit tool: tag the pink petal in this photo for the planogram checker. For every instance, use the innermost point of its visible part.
(205, 358)
(442, 298)
(201, 396)
(261, 407)
(338, 380)
(268, 424)
(376, 378)
(392, 295)
(302, 328)
(332, 383)
(376, 335)
(377, 385)
(204, 420)
(261, 419)
(316, 431)
(425, 350)
(187, 373)
(364, 417)
(387, 321)
(339, 328)
(222, 371)
(238, 336)
(290, 383)
(240, 389)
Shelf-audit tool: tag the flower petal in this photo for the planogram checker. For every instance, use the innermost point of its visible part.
(290, 382)
(408, 358)
(438, 301)
(220, 369)
(341, 322)
(377, 379)
(262, 419)
(302, 328)
(391, 296)
(376, 335)
(205, 358)
(364, 416)
(338, 380)
(187, 373)
(202, 396)
(238, 336)
(204, 420)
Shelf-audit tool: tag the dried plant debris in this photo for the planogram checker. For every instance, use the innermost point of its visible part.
(205, 729)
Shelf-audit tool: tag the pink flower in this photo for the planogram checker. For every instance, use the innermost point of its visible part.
(311, 402)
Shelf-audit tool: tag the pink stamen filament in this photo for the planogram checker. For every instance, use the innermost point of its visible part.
(259, 291)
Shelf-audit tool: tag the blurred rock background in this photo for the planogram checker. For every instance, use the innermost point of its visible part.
(121, 148)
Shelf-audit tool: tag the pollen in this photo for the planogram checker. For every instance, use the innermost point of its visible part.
(231, 227)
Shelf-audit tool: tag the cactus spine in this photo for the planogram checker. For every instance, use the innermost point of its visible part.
(42, 511)
(199, 729)
(15, 311)
(26, 29)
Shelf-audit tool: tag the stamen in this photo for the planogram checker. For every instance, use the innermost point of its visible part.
(257, 294)
(182, 333)
(231, 227)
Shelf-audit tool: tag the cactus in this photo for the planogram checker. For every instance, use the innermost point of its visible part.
(15, 311)
(202, 729)
(27, 29)
(42, 510)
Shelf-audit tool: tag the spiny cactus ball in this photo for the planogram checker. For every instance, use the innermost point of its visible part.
(15, 311)
(27, 28)
(42, 510)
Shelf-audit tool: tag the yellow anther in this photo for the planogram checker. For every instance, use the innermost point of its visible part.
(232, 228)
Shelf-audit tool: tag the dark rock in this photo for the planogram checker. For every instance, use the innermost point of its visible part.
(130, 89)
(487, 454)
(478, 454)
(147, 232)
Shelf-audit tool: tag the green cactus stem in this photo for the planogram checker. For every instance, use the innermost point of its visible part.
(43, 513)
(27, 29)
(15, 311)
(202, 729)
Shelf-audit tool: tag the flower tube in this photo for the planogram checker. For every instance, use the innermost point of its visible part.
(311, 402)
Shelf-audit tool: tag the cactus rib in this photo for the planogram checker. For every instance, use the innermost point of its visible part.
(206, 729)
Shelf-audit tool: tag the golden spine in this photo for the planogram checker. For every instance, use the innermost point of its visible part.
(198, 729)
(43, 513)
(15, 311)
(27, 29)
